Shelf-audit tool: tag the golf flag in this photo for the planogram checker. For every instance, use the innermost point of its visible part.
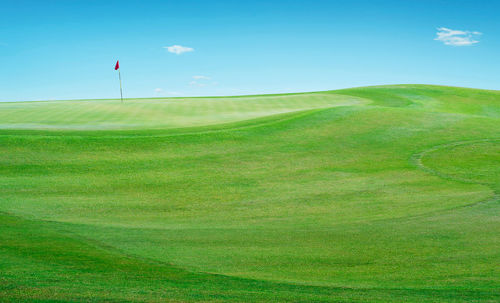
(117, 67)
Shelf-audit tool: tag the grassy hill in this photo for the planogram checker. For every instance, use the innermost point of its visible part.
(376, 194)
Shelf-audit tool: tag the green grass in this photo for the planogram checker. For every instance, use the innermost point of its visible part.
(157, 113)
(376, 194)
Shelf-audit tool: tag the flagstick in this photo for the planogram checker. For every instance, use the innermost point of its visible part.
(121, 94)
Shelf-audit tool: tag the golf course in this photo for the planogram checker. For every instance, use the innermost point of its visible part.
(370, 194)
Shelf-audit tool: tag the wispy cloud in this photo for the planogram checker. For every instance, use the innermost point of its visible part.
(198, 84)
(202, 81)
(457, 37)
(201, 78)
(178, 49)
(162, 92)
(175, 93)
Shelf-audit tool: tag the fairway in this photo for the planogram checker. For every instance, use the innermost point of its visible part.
(372, 194)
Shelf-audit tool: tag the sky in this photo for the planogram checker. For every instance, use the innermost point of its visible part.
(51, 50)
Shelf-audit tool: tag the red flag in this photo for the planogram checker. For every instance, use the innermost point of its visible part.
(117, 66)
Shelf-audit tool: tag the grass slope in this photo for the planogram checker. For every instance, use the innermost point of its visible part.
(377, 194)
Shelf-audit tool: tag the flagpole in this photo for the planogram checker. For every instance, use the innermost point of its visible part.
(120, 77)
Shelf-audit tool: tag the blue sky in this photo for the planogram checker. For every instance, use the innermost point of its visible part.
(67, 49)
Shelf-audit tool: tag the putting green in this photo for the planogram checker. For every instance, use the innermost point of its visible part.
(158, 113)
(375, 194)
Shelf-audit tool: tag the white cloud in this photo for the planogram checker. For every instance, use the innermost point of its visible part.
(178, 49)
(456, 37)
(201, 78)
(161, 91)
(198, 84)
(201, 81)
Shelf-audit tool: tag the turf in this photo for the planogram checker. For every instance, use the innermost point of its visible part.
(376, 194)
